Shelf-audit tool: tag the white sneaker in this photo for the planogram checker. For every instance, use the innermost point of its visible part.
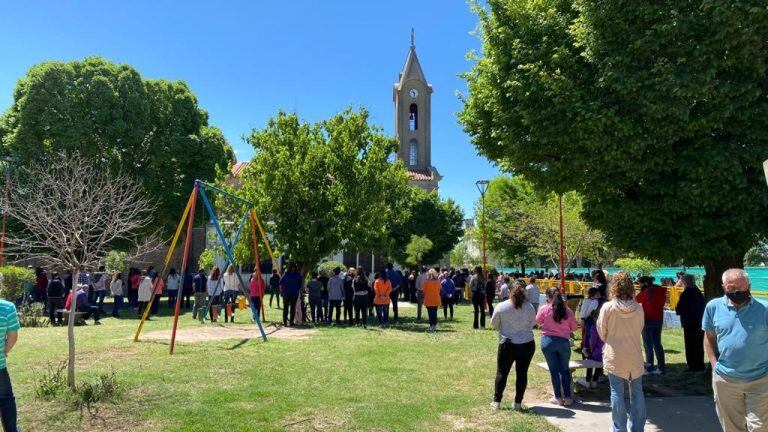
(494, 405)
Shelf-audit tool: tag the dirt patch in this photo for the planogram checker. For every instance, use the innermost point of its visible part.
(222, 332)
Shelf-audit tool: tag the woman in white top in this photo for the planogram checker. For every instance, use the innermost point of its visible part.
(145, 291)
(215, 288)
(172, 285)
(514, 319)
(231, 289)
(533, 292)
(116, 289)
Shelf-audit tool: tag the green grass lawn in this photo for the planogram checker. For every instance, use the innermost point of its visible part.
(338, 379)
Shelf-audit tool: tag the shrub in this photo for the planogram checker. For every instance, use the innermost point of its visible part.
(115, 262)
(635, 265)
(105, 388)
(15, 279)
(52, 382)
(32, 315)
(207, 260)
(328, 266)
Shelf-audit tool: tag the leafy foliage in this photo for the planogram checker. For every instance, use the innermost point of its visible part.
(52, 381)
(757, 255)
(110, 115)
(461, 256)
(635, 265)
(439, 220)
(328, 266)
(14, 280)
(207, 260)
(653, 111)
(417, 249)
(324, 186)
(32, 314)
(116, 261)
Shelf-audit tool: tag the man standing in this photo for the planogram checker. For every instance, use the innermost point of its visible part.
(9, 334)
(200, 288)
(736, 338)
(290, 287)
(55, 299)
(397, 282)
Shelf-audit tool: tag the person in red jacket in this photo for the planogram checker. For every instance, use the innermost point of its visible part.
(653, 298)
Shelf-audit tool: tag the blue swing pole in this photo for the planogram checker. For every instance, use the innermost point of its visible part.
(227, 247)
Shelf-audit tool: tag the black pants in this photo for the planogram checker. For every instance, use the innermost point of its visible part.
(478, 298)
(7, 402)
(447, 304)
(289, 308)
(155, 305)
(394, 295)
(186, 298)
(53, 304)
(335, 304)
(172, 298)
(593, 374)
(361, 307)
(694, 348)
(89, 311)
(489, 298)
(348, 308)
(520, 355)
(273, 293)
(316, 309)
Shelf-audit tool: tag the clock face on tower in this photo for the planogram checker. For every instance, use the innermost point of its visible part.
(413, 93)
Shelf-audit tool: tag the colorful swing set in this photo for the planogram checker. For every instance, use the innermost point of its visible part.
(188, 216)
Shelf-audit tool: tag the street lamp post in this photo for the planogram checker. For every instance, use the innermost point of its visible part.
(482, 186)
(562, 251)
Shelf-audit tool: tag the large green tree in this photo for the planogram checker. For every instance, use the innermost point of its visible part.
(441, 221)
(107, 113)
(324, 186)
(654, 111)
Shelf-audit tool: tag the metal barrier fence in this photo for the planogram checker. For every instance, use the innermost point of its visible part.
(576, 287)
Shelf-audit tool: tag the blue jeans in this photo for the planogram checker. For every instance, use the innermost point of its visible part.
(99, 298)
(117, 305)
(7, 402)
(382, 314)
(652, 342)
(619, 407)
(557, 352)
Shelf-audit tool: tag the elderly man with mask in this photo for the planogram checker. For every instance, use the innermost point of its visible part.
(736, 342)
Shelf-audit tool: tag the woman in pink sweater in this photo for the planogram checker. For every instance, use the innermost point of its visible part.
(557, 322)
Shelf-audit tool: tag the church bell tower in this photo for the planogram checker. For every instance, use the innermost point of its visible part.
(412, 96)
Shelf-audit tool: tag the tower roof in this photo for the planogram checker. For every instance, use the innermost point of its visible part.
(412, 68)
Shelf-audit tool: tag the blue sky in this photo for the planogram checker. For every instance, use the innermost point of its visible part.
(245, 60)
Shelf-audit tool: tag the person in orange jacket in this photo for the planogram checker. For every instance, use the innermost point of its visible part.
(382, 287)
(432, 298)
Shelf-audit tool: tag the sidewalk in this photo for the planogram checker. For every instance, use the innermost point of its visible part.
(684, 413)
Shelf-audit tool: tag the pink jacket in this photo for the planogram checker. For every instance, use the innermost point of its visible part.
(550, 327)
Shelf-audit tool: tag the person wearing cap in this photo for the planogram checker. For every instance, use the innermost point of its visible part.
(736, 338)
(653, 297)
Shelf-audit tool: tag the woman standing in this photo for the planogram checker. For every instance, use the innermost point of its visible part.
(116, 289)
(360, 285)
(491, 289)
(620, 326)
(383, 288)
(514, 320)
(432, 298)
(231, 288)
(690, 307)
(256, 292)
(144, 294)
(447, 292)
(215, 289)
(172, 285)
(477, 286)
(557, 322)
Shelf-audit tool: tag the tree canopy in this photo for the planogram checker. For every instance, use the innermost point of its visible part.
(111, 116)
(325, 186)
(654, 112)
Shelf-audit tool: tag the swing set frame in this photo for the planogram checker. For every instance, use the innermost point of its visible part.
(189, 215)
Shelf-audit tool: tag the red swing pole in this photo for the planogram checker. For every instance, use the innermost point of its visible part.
(184, 261)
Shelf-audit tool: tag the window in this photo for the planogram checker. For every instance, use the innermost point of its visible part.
(413, 153)
(413, 117)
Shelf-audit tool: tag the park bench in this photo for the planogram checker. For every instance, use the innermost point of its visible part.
(79, 320)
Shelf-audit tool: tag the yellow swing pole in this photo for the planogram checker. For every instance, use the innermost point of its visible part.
(176, 236)
(266, 242)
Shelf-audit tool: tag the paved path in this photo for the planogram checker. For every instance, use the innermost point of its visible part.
(684, 413)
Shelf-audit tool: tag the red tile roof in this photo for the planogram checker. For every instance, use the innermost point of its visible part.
(420, 174)
(238, 168)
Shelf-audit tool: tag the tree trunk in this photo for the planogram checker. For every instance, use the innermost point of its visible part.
(522, 267)
(713, 281)
(71, 329)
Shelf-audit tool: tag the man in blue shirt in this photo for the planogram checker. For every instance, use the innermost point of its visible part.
(9, 333)
(397, 282)
(290, 287)
(736, 342)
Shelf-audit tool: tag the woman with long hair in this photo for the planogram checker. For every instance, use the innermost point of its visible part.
(477, 286)
(557, 322)
(360, 285)
(231, 289)
(620, 326)
(214, 293)
(514, 320)
(382, 287)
